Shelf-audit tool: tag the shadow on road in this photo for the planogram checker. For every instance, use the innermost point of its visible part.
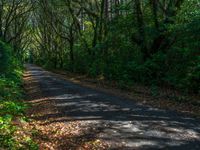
(116, 120)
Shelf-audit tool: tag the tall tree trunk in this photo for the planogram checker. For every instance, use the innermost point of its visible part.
(101, 21)
(141, 28)
(71, 47)
(1, 18)
(155, 13)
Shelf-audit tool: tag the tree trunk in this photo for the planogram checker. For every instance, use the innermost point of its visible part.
(141, 28)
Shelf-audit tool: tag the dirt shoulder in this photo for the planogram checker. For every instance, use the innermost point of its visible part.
(164, 98)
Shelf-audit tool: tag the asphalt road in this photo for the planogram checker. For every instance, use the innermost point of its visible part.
(122, 123)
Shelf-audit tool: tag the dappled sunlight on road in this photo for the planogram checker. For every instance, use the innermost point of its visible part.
(117, 121)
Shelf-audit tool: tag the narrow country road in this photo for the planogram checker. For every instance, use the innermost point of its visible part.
(120, 122)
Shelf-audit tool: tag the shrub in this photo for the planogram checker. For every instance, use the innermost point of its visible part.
(10, 94)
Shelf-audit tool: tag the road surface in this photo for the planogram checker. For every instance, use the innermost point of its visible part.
(122, 123)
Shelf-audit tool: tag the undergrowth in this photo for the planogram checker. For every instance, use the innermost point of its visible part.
(11, 106)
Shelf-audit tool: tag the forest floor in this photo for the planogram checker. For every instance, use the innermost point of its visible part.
(67, 115)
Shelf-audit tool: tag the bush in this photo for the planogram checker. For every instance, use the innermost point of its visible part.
(5, 54)
(10, 94)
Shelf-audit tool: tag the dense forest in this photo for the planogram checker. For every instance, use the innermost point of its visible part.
(147, 42)
(128, 41)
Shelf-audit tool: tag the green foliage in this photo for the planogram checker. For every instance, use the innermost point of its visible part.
(5, 53)
(9, 88)
(137, 42)
(12, 107)
(6, 131)
(118, 59)
(10, 94)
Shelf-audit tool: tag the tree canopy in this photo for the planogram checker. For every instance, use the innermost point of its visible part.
(128, 41)
(155, 43)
